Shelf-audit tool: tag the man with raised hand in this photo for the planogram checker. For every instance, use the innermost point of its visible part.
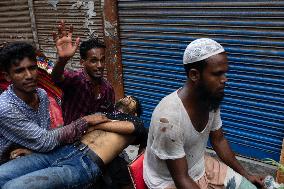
(85, 91)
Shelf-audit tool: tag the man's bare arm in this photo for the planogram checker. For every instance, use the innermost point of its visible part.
(121, 127)
(179, 172)
(223, 150)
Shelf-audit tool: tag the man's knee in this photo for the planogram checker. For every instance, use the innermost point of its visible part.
(4, 177)
(215, 170)
(12, 185)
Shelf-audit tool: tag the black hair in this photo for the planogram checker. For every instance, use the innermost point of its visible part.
(90, 44)
(15, 52)
(199, 66)
(139, 110)
(119, 105)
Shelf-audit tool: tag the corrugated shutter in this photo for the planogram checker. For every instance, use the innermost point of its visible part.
(15, 21)
(154, 35)
(85, 16)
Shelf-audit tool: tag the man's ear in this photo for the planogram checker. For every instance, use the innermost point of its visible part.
(7, 76)
(194, 75)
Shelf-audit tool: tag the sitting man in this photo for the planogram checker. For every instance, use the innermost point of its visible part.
(86, 91)
(81, 163)
(44, 81)
(182, 123)
(24, 114)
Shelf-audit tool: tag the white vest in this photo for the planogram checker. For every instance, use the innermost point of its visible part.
(174, 137)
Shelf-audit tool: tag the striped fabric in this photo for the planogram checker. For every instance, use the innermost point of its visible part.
(20, 125)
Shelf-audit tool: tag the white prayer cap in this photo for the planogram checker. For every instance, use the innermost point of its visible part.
(200, 49)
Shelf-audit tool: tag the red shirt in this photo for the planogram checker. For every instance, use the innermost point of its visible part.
(79, 99)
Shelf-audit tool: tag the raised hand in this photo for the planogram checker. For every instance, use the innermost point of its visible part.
(63, 41)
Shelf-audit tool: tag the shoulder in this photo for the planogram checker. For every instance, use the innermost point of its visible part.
(7, 105)
(216, 113)
(4, 101)
(168, 110)
(72, 79)
(71, 74)
(5, 97)
(216, 120)
(42, 93)
(169, 104)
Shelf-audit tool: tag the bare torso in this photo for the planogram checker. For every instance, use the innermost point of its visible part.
(107, 145)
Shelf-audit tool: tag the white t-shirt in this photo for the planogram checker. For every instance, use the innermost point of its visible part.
(172, 136)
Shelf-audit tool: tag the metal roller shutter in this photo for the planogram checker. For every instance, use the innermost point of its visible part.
(85, 16)
(154, 35)
(15, 21)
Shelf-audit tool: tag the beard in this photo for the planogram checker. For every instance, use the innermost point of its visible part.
(122, 107)
(212, 100)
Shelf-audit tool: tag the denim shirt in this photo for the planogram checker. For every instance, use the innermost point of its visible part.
(19, 122)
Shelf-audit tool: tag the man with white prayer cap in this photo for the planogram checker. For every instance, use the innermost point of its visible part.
(182, 123)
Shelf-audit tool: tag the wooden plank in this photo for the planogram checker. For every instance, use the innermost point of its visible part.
(113, 48)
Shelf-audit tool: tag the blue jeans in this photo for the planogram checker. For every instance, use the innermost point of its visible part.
(64, 167)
